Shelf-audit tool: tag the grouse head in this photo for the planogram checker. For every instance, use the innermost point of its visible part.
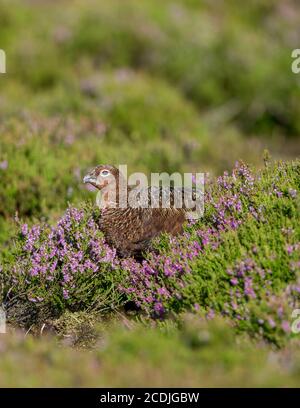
(102, 176)
(110, 181)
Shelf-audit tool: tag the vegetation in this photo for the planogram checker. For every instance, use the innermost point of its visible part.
(175, 86)
(127, 355)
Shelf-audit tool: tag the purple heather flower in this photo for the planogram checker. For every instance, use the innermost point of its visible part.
(234, 281)
(280, 312)
(196, 307)
(210, 315)
(285, 326)
(159, 309)
(24, 229)
(34, 271)
(261, 321)
(293, 193)
(4, 165)
(162, 291)
(65, 294)
(169, 271)
(271, 322)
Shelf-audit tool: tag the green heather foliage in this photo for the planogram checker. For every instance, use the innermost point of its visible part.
(241, 260)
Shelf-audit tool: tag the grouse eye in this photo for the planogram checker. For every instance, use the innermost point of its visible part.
(105, 173)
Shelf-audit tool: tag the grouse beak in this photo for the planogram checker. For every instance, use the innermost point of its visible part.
(89, 179)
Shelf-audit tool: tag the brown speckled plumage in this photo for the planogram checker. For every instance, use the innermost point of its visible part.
(130, 230)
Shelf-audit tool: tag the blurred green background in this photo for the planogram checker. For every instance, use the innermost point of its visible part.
(173, 85)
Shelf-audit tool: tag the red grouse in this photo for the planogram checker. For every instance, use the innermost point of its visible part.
(127, 221)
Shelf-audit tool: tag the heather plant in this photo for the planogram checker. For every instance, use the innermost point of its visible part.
(68, 266)
(241, 260)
